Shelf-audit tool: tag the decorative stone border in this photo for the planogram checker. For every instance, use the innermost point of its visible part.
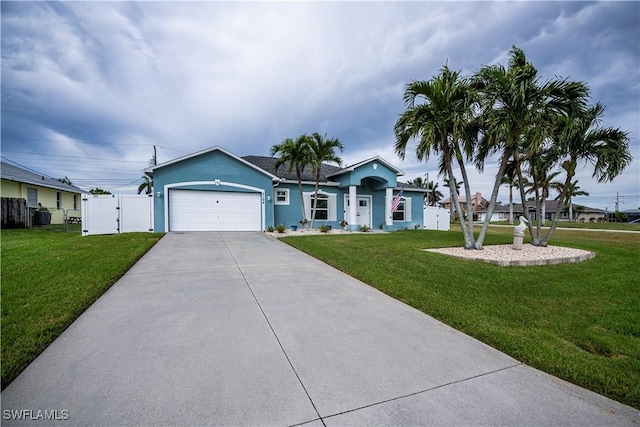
(529, 255)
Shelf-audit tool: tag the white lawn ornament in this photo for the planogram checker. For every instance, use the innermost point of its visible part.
(518, 233)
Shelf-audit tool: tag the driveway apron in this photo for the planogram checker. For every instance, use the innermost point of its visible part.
(241, 329)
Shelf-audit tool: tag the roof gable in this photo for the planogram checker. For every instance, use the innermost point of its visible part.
(150, 169)
(378, 159)
(18, 174)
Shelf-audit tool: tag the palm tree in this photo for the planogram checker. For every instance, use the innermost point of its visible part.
(296, 155)
(146, 186)
(574, 191)
(515, 111)
(434, 195)
(322, 150)
(579, 139)
(511, 180)
(440, 125)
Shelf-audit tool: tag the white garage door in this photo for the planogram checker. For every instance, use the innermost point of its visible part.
(191, 210)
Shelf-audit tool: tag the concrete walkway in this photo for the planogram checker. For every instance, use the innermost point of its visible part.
(241, 329)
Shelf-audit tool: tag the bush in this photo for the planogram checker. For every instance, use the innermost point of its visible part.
(364, 228)
(270, 229)
(324, 228)
(280, 228)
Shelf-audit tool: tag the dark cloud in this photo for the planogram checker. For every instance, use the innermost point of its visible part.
(105, 79)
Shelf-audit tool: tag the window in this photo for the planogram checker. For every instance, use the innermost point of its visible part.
(321, 207)
(75, 202)
(32, 197)
(58, 200)
(398, 215)
(403, 213)
(282, 196)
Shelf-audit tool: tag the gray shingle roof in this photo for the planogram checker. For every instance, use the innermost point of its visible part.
(15, 173)
(268, 164)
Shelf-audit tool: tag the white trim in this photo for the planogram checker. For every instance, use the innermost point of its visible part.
(406, 211)
(287, 196)
(216, 182)
(321, 184)
(364, 162)
(367, 197)
(209, 150)
(332, 209)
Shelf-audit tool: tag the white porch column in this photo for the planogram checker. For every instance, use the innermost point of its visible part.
(353, 206)
(388, 199)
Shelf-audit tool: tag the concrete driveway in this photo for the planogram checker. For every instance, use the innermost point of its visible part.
(241, 329)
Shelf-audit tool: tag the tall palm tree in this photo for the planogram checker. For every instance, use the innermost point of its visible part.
(579, 138)
(437, 115)
(434, 195)
(516, 108)
(146, 186)
(512, 181)
(295, 154)
(322, 150)
(573, 191)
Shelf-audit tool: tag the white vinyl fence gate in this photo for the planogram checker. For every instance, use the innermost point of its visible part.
(116, 213)
(435, 218)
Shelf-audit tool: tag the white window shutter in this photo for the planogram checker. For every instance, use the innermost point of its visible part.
(333, 207)
(307, 204)
(407, 209)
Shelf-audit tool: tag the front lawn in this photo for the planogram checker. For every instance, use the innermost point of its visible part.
(49, 277)
(580, 322)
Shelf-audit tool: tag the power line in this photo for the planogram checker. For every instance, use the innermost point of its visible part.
(75, 157)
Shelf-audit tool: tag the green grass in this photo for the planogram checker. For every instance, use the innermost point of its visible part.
(49, 277)
(580, 322)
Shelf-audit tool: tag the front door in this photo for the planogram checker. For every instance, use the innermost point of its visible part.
(363, 210)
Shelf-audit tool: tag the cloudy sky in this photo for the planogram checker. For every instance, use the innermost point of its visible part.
(89, 87)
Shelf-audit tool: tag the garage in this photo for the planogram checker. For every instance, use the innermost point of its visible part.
(197, 210)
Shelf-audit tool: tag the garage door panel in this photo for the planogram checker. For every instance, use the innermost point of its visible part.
(214, 211)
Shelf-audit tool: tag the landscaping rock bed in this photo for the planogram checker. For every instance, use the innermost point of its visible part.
(505, 256)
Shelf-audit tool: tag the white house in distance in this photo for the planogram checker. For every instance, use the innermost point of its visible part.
(580, 213)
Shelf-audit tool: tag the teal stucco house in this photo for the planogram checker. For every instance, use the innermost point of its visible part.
(215, 190)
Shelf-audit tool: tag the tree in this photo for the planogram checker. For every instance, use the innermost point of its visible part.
(322, 150)
(511, 180)
(98, 191)
(573, 191)
(65, 180)
(434, 195)
(578, 139)
(296, 155)
(146, 185)
(439, 116)
(516, 109)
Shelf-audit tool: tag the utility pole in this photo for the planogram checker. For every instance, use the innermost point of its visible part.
(617, 201)
(155, 158)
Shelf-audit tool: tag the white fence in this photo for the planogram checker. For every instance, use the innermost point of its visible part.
(116, 213)
(435, 218)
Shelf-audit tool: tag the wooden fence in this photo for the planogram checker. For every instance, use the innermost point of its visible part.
(14, 213)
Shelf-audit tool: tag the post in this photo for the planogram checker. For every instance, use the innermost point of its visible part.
(353, 208)
(388, 199)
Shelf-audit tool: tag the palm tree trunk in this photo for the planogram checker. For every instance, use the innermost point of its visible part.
(468, 240)
(314, 205)
(494, 195)
(523, 199)
(510, 204)
(304, 214)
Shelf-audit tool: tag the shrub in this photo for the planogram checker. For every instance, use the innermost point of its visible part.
(364, 228)
(280, 228)
(324, 228)
(270, 229)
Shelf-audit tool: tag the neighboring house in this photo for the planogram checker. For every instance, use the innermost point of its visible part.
(40, 192)
(477, 203)
(580, 213)
(216, 190)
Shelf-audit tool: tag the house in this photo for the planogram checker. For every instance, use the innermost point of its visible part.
(580, 213)
(40, 192)
(477, 203)
(216, 190)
